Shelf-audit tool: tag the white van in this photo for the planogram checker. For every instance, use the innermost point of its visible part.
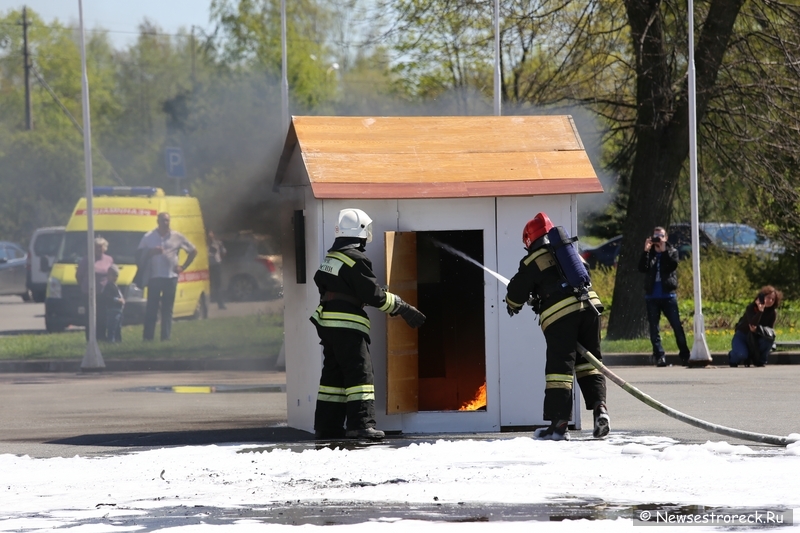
(42, 253)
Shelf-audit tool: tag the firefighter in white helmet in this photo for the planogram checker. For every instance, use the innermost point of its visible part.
(346, 398)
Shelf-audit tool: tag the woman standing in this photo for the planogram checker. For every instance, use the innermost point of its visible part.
(102, 262)
(754, 335)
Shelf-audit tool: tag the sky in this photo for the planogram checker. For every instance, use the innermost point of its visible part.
(483, 485)
(121, 17)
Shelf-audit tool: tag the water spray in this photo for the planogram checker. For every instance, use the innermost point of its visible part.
(636, 393)
(462, 255)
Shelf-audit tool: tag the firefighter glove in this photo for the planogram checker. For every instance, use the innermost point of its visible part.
(409, 313)
(512, 310)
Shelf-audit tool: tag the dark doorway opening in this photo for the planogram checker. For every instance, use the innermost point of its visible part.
(452, 348)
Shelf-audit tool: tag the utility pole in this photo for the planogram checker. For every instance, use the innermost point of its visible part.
(194, 79)
(27, 59)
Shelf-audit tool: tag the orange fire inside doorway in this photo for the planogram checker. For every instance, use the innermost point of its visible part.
(479, 402)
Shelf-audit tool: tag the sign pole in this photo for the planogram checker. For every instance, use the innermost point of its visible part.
(93, 359)
(700, 356)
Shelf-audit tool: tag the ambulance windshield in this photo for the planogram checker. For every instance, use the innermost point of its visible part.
(122, 246)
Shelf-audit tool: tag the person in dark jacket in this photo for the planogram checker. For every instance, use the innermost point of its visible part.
(346, 398)
(659, 262)
(566, 319)
(754, 334)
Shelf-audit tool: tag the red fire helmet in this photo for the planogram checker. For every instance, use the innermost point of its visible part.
(535, 228)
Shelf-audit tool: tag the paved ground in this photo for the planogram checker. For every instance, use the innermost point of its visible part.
(64, 414)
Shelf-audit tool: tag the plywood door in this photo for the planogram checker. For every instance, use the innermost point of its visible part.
(402, 342)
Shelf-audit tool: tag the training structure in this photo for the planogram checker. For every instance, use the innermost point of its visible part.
(470, 183)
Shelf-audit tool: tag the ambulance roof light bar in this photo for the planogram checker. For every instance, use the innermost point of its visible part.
(127, 191)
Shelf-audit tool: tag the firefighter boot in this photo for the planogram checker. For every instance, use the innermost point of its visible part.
(365, 433)
(555, 431)
(601, 421)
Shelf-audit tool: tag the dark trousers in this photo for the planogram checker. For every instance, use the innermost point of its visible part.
(345, 383)
(160, 293)
(563, 359)
(114, 324)
(669, 307)
(215, 279)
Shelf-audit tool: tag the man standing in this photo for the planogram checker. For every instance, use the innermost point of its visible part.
(346, 284)
(566, 319)
(659, 262)
(216, 251)
(158, 253)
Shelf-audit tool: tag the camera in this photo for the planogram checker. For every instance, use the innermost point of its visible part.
(656, 238)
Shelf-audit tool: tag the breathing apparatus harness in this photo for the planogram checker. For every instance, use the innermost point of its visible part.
(573, 277)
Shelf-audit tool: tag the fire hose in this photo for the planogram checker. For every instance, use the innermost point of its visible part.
(639, 395)
(669, 411)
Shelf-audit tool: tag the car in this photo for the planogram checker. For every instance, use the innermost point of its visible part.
(251, 270)
(13, 271)
(42, 253)
(740, 238)
(604, 254)
(680, 236)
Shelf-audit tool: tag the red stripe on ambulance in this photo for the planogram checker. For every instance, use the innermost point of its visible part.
(196, 275)
(119, 211)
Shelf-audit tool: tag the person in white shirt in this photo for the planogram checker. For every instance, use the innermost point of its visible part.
(158, 254)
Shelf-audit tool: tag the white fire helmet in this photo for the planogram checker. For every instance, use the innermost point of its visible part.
(354, 223)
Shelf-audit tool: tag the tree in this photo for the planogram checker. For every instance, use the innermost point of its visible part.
(626, 62)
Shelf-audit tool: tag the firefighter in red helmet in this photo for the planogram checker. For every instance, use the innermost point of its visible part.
(566, 319)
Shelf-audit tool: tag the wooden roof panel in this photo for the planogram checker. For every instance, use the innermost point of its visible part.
(439, 157)
(455, 190)
(461, 167)
(435, 134)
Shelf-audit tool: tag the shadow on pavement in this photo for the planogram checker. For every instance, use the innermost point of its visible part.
(185, 438)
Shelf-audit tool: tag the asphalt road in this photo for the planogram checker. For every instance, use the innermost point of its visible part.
(64, 414)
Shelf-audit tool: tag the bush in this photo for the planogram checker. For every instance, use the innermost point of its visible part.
(723, 277)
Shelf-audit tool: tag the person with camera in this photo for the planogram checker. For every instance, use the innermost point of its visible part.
(754, 337)
(659, 262)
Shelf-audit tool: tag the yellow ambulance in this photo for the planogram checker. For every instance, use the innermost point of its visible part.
(122, 215)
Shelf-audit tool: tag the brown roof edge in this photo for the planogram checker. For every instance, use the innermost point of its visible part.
(456, 189)
(575, 129)
(286, 155)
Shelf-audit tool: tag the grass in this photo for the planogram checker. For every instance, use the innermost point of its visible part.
(221, 338)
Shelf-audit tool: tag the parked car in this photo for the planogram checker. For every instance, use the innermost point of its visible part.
(42, 253)
(680, 236)
(13, 262)
(604, 254)
(740, 238)
(251, 270)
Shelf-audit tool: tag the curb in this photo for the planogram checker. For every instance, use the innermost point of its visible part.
(140, 365)
(269, 364)
(717, 359)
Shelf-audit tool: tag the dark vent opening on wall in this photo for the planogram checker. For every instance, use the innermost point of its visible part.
(300, 245)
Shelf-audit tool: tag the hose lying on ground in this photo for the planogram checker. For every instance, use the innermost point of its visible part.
(696, 422)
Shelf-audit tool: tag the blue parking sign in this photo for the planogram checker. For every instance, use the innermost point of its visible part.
(175, 163)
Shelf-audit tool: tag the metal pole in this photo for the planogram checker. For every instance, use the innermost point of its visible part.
(284, 75)
(27, 59)
(700, 356)
(497, 99)
(93, 359)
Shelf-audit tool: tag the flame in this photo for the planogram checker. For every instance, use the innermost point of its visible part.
(476, 403)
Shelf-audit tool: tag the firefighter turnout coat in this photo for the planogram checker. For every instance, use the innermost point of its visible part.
(566, 318)
(346, 284)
